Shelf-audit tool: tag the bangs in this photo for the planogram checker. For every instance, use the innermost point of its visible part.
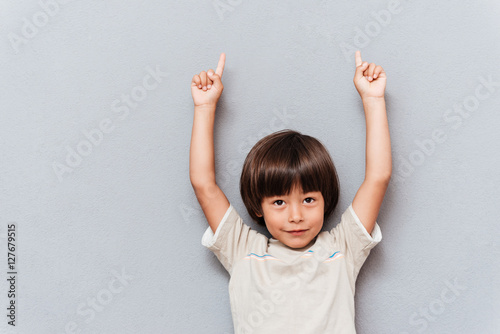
(284, 168)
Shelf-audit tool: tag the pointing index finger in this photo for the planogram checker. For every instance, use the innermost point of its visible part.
(220, 65)
(359, 61)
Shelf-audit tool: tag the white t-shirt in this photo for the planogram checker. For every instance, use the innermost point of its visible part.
(277, 289)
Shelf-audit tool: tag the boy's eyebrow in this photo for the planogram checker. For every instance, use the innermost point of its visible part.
(312, 194)
(283, 195)
(273, 196)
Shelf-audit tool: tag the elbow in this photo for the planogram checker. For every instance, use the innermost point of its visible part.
(198, 180)
(382, 175)
(201, 184)
(386, 177)
(194, 184)
(197, 184)
(382, 178)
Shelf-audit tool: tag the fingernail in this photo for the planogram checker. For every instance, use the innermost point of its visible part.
(374, 76)
(208, 86)
(199, 86)
(370, 78)
(210, 74)
(204, 87)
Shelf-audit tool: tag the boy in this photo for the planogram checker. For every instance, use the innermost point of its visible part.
(301, 280)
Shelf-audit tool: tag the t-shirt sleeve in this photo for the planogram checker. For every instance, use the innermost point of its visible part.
(353, 241)
(232, 240)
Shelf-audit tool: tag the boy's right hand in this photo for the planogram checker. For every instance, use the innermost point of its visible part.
(206, 87)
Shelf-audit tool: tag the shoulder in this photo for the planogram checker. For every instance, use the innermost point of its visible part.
(350, 230)
(231, 230)
(352, 219)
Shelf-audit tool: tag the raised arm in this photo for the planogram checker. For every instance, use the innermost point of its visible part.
(206, 89)
(370, 81)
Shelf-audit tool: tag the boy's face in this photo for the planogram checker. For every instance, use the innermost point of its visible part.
(292, 212)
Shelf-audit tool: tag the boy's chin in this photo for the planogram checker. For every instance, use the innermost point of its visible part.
(297, 243)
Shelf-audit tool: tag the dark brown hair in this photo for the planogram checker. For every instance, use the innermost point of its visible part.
(282, 160)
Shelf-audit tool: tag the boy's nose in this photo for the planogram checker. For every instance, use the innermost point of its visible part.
(295, 214)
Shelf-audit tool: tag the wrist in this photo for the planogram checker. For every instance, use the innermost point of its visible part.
(373, 98)
(207, 106)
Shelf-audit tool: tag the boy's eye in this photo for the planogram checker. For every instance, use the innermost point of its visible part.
(278, 202)
(309, 200)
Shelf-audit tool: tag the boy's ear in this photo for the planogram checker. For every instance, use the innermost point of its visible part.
(258, 214)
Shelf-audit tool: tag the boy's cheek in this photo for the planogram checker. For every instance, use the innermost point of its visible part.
(272, 221)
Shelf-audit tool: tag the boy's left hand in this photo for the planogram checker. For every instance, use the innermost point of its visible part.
(369, 79)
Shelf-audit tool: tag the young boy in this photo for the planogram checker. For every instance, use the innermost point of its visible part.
(302, 280)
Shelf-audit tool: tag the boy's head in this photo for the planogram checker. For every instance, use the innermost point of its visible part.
(285, 163)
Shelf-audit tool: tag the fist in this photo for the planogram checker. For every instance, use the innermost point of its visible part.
(206, 87)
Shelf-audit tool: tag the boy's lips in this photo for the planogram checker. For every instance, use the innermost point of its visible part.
(297, 232)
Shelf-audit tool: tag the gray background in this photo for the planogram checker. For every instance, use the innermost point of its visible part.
(128, 206)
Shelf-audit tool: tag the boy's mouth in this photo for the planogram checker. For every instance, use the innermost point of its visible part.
(297, 232)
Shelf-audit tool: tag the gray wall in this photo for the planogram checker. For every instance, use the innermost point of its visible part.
(125, 208)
